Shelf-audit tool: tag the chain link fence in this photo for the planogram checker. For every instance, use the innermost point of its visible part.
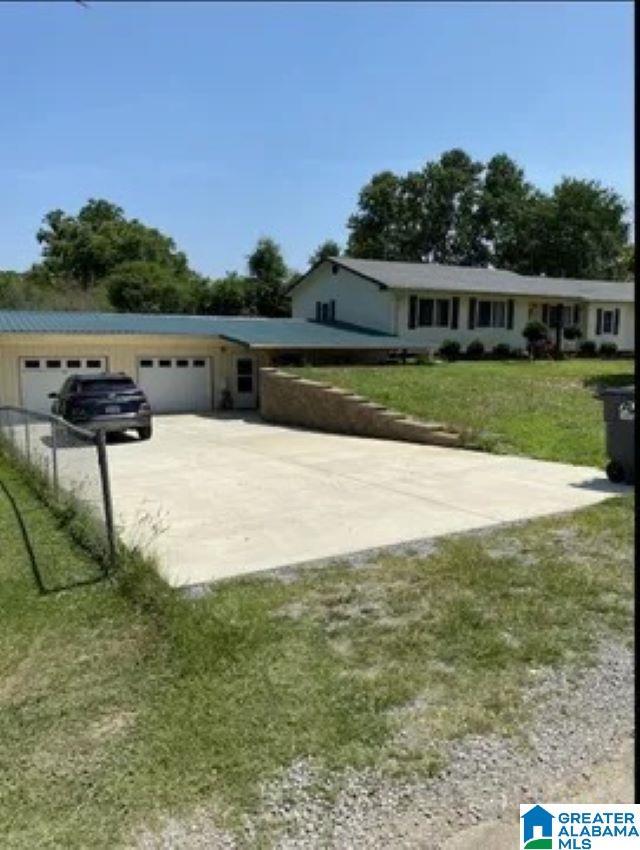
(69, 467)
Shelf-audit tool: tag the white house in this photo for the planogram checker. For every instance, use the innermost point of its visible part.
(426, 303)
(360, 310)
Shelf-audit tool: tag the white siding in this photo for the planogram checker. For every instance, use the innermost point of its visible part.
(358, 301)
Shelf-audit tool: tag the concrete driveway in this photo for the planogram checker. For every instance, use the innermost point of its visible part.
(220, 496)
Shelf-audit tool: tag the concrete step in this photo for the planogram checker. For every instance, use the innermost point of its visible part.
(427, 426)
(443, 438)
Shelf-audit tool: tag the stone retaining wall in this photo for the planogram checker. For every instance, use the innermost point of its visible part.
(287, 399)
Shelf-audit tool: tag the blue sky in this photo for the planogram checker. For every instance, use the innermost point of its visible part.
(219, 123)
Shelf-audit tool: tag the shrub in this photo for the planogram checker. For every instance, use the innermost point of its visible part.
(587, 348)
(475, 350)
(537, 336)
(501, 351)
(450, 349)
(608, 349)
(572, 332)
(535, 332)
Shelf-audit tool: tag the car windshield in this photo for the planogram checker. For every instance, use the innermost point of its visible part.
(106, 385)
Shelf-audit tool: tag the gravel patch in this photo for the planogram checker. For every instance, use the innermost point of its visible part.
(579, 720)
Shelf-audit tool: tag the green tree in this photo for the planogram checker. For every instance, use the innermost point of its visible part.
(231, 295)
(627, 263)
(506, 205)
(584, 231)
(326, 249)
(139, 286)
(269, 270)
(429, 215)
(459, 211)
(376, 229)
(86, 248)
(451, 231)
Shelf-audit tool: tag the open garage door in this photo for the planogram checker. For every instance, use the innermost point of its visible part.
(176, 384)
(40, 376)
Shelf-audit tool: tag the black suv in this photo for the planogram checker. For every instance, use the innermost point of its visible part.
(107, 401)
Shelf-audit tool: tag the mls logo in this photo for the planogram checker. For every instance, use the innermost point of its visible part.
(537, 829)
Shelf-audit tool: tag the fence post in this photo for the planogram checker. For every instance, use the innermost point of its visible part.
(54, 457)
(106, 494)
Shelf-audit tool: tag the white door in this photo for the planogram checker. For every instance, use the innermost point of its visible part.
(40, 376)
(176, 384)
(245, 395)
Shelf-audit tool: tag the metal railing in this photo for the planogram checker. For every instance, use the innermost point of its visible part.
(71, 463)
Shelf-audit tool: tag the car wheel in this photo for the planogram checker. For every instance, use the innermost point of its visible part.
(145, 433)
(615, 472)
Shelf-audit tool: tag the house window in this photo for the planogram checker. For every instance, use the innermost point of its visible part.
(325, 311)
(434, 312)
(492, 314)
(498, 318)
(484, 314)
(607, 321)
(442, 312)
(425, 312)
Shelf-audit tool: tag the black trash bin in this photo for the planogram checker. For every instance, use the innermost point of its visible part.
(620, 422)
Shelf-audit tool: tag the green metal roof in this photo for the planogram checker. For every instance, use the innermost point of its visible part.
(253, 332)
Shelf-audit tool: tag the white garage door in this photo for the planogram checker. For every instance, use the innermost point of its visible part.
(40, 376)
(176, 384)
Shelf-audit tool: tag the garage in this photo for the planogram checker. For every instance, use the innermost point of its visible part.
(176, 384)
(40, 376)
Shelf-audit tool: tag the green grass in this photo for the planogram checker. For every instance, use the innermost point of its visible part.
(121, 702)
(543, 409)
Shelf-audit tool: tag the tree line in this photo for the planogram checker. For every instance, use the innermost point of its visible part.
(463, 212)
(454, 210)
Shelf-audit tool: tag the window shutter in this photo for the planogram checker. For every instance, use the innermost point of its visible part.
(318, 310)
(616, 320)
(413, 306)
(332, 310)
(510, 310)
(545, 314)
(472, 314)
(599, 321)
(455, 311)
(576, 314)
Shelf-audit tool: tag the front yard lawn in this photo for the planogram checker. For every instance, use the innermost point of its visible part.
(543, 409)
(123, 702)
